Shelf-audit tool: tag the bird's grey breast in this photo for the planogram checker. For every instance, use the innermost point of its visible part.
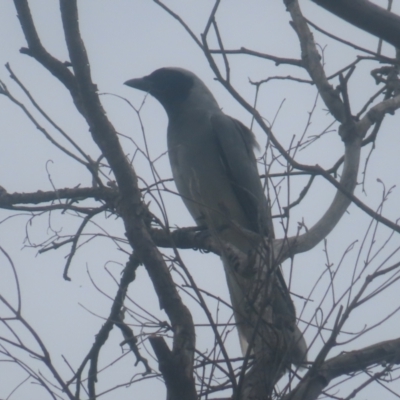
(200, 171)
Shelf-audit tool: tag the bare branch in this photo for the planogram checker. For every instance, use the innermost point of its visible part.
(311, 61)
(39, 53)
(277, 60)
(8, 200)
(131, 207)
(367, 16)
(346, 363)
(179, 385)
(354, 46)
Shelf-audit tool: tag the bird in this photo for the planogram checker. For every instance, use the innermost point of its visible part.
(215, 171)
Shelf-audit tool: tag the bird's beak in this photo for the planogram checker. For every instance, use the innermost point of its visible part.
(139, 83)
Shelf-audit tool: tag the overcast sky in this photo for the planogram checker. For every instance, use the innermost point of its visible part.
(127, 39)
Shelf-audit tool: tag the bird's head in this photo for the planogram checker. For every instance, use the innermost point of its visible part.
(173, 87)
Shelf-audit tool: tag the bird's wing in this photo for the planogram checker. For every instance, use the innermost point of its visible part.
(236, 144)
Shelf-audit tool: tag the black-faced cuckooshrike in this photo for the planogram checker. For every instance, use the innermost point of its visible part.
(215, 171)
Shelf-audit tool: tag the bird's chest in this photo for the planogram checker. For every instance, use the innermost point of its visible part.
(197, 168)
(193, 151)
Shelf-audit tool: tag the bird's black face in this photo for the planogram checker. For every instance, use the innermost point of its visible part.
(170, 87)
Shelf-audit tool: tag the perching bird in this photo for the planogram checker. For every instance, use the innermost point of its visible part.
(215, 171)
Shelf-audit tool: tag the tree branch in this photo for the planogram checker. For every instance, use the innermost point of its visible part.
(131, 207)
(178, 384)
(277, 60)
(11, 199)
(312, 62)
(367, 16)
(312, 385)
(39, 53)
(344, 196)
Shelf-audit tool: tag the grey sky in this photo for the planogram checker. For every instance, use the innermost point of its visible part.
(127, 39)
